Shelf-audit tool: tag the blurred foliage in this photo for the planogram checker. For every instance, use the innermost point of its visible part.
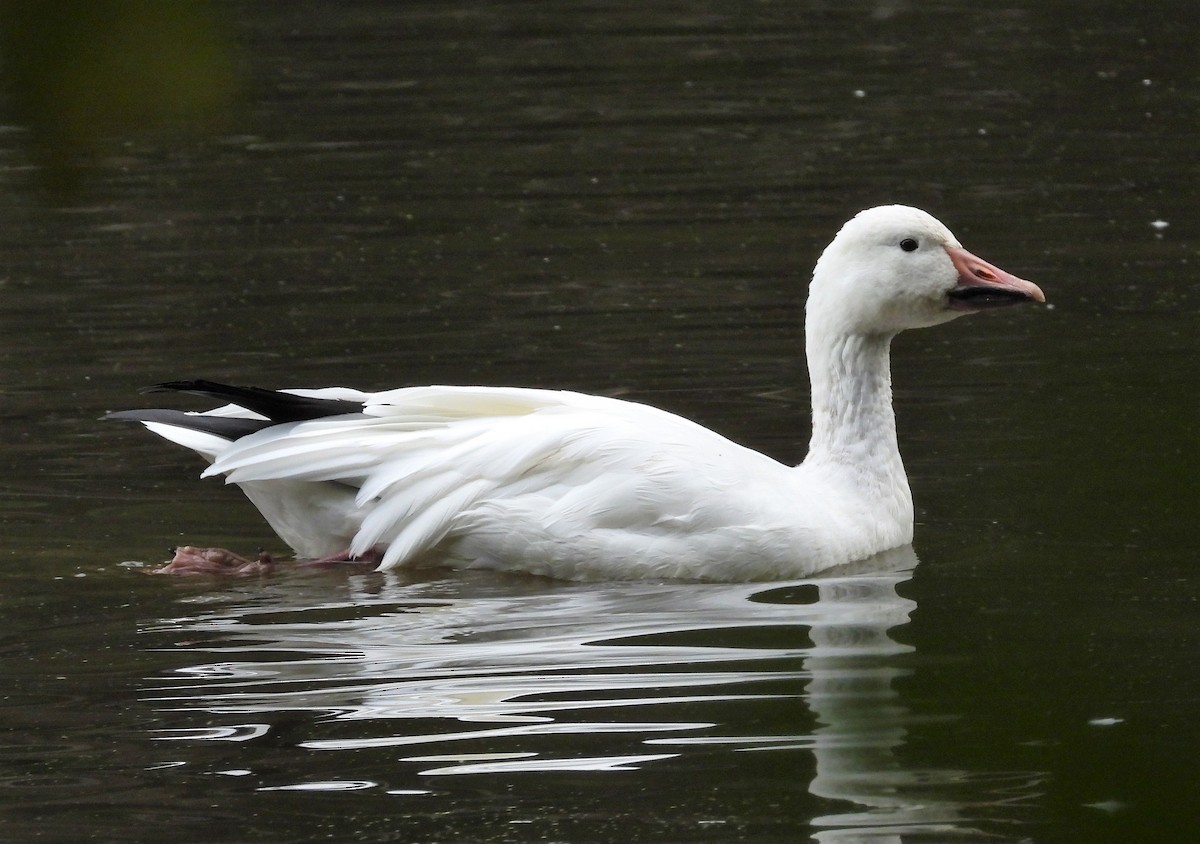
(84, 75)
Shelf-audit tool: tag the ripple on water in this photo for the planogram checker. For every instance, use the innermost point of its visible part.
(480, 677)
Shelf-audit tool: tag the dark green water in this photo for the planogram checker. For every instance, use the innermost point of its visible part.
(624, 199)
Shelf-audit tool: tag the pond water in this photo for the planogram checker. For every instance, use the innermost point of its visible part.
(626, 200)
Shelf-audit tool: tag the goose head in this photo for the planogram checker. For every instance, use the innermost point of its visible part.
(894, 267)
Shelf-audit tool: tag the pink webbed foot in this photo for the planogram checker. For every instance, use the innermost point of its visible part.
(371, 557)
(189, 560)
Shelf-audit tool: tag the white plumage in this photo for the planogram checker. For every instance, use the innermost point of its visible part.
(585, 487)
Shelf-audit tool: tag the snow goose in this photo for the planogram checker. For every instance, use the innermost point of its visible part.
(584, 487)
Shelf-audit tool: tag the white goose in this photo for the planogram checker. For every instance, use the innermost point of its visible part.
(584, 487)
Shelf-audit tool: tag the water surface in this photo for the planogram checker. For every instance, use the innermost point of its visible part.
(623, 200)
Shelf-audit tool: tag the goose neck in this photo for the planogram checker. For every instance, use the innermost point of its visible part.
(853, 420)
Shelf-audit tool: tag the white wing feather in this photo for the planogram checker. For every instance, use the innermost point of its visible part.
(426, 460)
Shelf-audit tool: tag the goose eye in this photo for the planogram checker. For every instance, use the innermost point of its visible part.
(909, 245)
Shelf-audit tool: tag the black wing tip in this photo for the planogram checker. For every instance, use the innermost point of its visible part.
(228, 427)
(122, 416)
(276, 405)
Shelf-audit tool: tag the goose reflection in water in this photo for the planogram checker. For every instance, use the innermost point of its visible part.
(502, 677)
